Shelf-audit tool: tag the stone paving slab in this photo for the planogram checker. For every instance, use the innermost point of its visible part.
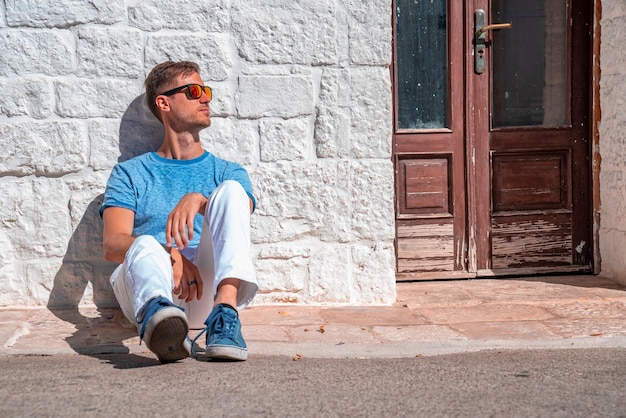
(428, 318)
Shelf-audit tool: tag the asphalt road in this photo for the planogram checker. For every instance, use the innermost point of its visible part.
(537, 383)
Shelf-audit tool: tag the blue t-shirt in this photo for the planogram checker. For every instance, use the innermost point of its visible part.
(152, 186)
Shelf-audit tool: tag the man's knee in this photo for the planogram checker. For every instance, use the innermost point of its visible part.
(232, 186)
(230, 190)
(144, 244)
(145, 241)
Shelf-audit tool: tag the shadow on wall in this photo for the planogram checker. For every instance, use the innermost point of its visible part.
(83, 263)
(140, 130)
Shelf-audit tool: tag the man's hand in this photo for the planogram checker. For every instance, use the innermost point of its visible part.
(187, 280)
(179, 227)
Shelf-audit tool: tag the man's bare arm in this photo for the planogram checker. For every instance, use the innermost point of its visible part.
(117, 236)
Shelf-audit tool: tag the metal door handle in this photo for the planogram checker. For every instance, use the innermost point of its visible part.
(494, 26)
(480, 43)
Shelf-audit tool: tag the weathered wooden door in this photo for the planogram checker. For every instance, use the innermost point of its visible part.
(492, 137)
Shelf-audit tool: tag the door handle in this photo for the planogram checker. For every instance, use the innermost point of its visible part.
(493, 26)
(480, 43)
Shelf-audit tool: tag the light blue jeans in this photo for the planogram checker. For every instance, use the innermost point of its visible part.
(223, 252)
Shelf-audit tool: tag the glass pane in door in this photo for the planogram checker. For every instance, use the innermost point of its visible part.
(421, 51)
(529, 63)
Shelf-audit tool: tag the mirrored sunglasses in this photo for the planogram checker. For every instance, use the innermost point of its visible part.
(192, 91)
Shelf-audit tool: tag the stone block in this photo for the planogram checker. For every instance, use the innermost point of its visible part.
(275, 95)
(611, 247)
(373, 274)
(8, 254)
(86, 98)
(186, 15)
(372, 200)
(63, 14)
(26, 51)
(283, 268)
(68, 282)
(86, 194)
(26, 96)
(233, 140)
(371, 116)
(370, 32)
(332, 123)
(210, 51)
(34, 217)
(354, 114)
(281, 139)
(335, 88)
(298, 200)
(40, 281)
(110, 52)
(330, 275)
(286, 32)
(44, 148)
(104, 139)
(12, 283)
(223, 102)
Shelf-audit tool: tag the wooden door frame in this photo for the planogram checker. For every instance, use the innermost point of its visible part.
(595, 135)
(594, 114)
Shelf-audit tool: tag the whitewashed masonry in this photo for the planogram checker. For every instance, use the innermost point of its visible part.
(302, 98)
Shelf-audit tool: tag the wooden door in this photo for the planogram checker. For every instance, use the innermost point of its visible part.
(491, 141)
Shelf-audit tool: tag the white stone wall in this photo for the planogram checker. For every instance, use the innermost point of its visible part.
(612, 132)
(302, 98)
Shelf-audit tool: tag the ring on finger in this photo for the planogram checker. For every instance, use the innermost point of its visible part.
(191, 283)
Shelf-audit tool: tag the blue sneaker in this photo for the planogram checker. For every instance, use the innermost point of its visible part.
(224, 340)
(165, 330)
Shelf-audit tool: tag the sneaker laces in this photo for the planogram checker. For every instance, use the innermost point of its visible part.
(221, 327)
(193, 343)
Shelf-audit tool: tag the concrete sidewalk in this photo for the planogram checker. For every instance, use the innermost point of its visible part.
(429, 318)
